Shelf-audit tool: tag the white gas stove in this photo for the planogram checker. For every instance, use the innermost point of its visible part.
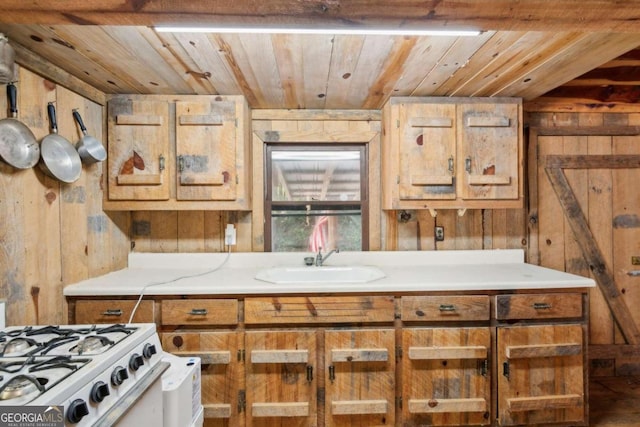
(92, 370)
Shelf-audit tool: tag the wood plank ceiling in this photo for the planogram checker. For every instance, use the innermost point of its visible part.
(526, 50)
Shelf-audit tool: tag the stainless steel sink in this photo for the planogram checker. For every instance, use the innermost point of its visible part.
(325, 274)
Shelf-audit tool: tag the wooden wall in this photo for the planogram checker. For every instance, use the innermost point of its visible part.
(52, 234)
(611, 205)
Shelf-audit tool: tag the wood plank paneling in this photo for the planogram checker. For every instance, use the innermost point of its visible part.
(53, 234)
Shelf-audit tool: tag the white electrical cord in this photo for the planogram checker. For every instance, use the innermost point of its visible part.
(133, 312)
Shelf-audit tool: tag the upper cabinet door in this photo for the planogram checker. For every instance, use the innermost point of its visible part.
(206, 150)
(427, 152)
(489, 151)
(138, 150)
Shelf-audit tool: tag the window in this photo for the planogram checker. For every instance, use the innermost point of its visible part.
(316, 197)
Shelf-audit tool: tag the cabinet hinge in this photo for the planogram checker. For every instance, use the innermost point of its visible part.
(242, 400)
(483, 367)
(399, 402)
(236, 121)
(397, 179)
(398, 124)
(398, 352)
(241, 355)
(237, 180)
(505, 369)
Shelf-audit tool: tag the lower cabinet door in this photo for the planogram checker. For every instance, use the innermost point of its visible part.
(541, 378)
(360, 378)
(221, 371)
(446, 376)
(280, 378)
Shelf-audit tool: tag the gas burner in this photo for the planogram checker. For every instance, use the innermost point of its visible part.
(18, 347)
(92, 344)
(22, 386)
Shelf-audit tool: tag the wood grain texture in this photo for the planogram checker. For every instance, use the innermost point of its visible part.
(281, 390)
(443, 381)
(339, 309)
(361, 391)
(199, 312)
(53, 234)
(220, 381)
(528, 383)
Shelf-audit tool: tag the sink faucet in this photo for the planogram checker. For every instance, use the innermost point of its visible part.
(321, 259)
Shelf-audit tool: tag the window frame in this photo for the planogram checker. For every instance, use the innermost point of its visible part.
(330, 204)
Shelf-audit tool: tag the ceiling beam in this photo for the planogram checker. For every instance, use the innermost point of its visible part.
(531, 15)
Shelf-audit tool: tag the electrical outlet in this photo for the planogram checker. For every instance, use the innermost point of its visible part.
(230, 235)
(439, 233)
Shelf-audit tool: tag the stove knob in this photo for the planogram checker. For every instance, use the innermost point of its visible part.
(118, 376)
(99, 391)
(77, 410)
(149, 350)
(135, 362)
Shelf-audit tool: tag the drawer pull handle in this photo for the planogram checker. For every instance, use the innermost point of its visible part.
(542, 306)
(447, 307)
(198, 312)
(115, 312)
(309, 373)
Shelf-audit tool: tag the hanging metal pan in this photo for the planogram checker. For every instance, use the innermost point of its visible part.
(18, 145)
(89, 148)
(59, 158)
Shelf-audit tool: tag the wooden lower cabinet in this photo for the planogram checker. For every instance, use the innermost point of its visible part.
(446, 376)
(359, 377)
(456, 359)
(280, 378)
(541, 378)
(221, 372)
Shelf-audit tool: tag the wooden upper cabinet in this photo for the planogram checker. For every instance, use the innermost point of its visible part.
(186, 152)
(489, 149)
(427, 152)
(452, 153)
(138, 150)
(206, 150)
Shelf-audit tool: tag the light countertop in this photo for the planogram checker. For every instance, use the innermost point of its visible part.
(411, 271)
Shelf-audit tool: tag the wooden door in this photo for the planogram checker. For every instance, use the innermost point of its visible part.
(280, 379)
(221, 371)
(360, 378)
(540, 378)
(138, 151)
(427, 145)
(445, 376)
(488, 147)
(206, 150)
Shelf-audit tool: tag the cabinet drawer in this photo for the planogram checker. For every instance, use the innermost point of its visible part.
(199, 312)
(538, 306)
(112, 311)
(445, 308)
(345, 309)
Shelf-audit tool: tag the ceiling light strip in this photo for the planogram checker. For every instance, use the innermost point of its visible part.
(332, 31)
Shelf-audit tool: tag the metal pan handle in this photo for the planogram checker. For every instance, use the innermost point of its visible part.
(51, 110)
(12, 94)
(78, 118)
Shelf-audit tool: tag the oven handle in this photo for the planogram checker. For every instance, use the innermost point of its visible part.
(116, 312)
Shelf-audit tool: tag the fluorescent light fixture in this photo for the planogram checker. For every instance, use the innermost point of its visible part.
(336, 31)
